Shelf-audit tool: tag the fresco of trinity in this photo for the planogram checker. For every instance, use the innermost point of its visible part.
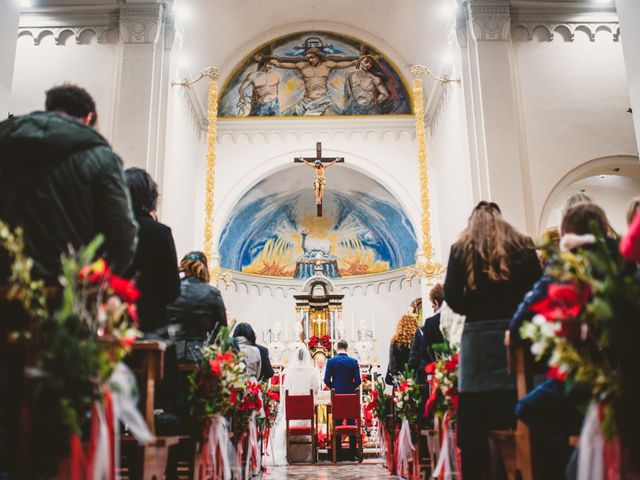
(274, 231)
(314, 74)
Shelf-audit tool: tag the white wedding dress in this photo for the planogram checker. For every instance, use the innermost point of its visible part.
(299, 377)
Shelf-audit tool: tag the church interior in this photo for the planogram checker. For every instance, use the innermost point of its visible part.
(320, 158)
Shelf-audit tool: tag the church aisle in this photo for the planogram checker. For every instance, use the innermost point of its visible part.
(344, 471)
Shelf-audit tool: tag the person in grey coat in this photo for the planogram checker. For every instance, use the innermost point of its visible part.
(243, 334)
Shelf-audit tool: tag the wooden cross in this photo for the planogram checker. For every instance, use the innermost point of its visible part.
(320, 180)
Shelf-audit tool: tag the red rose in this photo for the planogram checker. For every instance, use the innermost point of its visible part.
(556, 374)
(451, 365)
(234, 396)
(430, 368)
(563, 301)
(403, 386)
(216, 368)
(124, 288)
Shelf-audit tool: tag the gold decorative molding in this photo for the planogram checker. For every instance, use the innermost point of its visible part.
(418, 71)
(213, 74)
(216, 274)
(428, 269)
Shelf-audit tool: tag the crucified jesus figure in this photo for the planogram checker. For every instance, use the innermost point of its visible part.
(319, 164)
(320, 180)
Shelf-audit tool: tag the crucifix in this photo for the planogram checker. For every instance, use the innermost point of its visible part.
(319, 164)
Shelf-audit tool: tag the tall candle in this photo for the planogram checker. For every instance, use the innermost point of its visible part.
(353, 326)
(265, 324)
(286, 325)
(373, 324)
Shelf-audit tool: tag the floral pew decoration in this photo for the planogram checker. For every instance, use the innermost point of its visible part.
(442, 405)
(78, 389)
(225, 404)
(592, 303)
(406, 398)
(378, 405)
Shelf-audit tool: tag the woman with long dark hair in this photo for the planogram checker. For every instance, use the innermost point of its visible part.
(155, 265)
(491, 267)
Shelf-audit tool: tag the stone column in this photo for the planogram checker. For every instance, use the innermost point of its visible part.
(629, 16)
(138, 99)
(8, 40)
(499, 160)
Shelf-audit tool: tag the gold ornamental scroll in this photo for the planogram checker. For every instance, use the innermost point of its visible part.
(428, 269)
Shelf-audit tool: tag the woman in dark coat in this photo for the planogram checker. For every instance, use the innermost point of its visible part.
(491, 267)
(155, 265)
(401, 346)
(198, 312)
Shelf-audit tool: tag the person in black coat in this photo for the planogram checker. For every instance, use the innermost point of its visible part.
(491, 268)
(199, 311)
(421, 353)
(155, 265)
(400, 346)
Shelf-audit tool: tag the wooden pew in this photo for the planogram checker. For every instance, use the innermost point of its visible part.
(147, 362)
(515, 445)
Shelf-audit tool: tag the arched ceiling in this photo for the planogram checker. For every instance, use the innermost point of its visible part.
(222, 32)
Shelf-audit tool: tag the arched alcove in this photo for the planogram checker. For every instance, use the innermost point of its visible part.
(609, 181)
(363, 226)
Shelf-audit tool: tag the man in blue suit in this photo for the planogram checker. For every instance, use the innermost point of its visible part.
(342, 373)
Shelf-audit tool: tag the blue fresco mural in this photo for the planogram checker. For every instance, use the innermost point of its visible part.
(314, 74)
(273, 229)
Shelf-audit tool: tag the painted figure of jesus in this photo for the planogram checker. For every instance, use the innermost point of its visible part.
(314, 68)
(320, 180)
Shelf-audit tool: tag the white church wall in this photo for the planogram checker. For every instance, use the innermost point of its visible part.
(183, 180)
(573, 97)
(89, 64)
(8, 39)
(450, 172)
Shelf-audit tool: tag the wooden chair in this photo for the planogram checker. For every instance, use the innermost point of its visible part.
(147, 362)
(300, 407)
(346, 407)
(515, 445)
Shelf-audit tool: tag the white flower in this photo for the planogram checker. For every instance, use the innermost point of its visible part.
(549, 329)
(538, 348)
(529, 330)
(539, 320)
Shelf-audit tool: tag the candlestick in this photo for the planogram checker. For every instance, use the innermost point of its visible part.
(353, 326)
(286, 325)
(373, 324)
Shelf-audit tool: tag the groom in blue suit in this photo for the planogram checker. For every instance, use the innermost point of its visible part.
(343, 374)
(342, 371)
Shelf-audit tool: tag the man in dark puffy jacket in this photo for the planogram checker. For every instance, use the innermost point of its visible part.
(61, 182)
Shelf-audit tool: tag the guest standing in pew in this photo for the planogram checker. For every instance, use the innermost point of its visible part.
(400, 346)
(198, 313)
(244, 333)
(155, 266)
(342, 373)
(491, 267)
(421, 353)
(63, 184)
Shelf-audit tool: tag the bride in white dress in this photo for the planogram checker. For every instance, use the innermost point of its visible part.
(299, 377)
